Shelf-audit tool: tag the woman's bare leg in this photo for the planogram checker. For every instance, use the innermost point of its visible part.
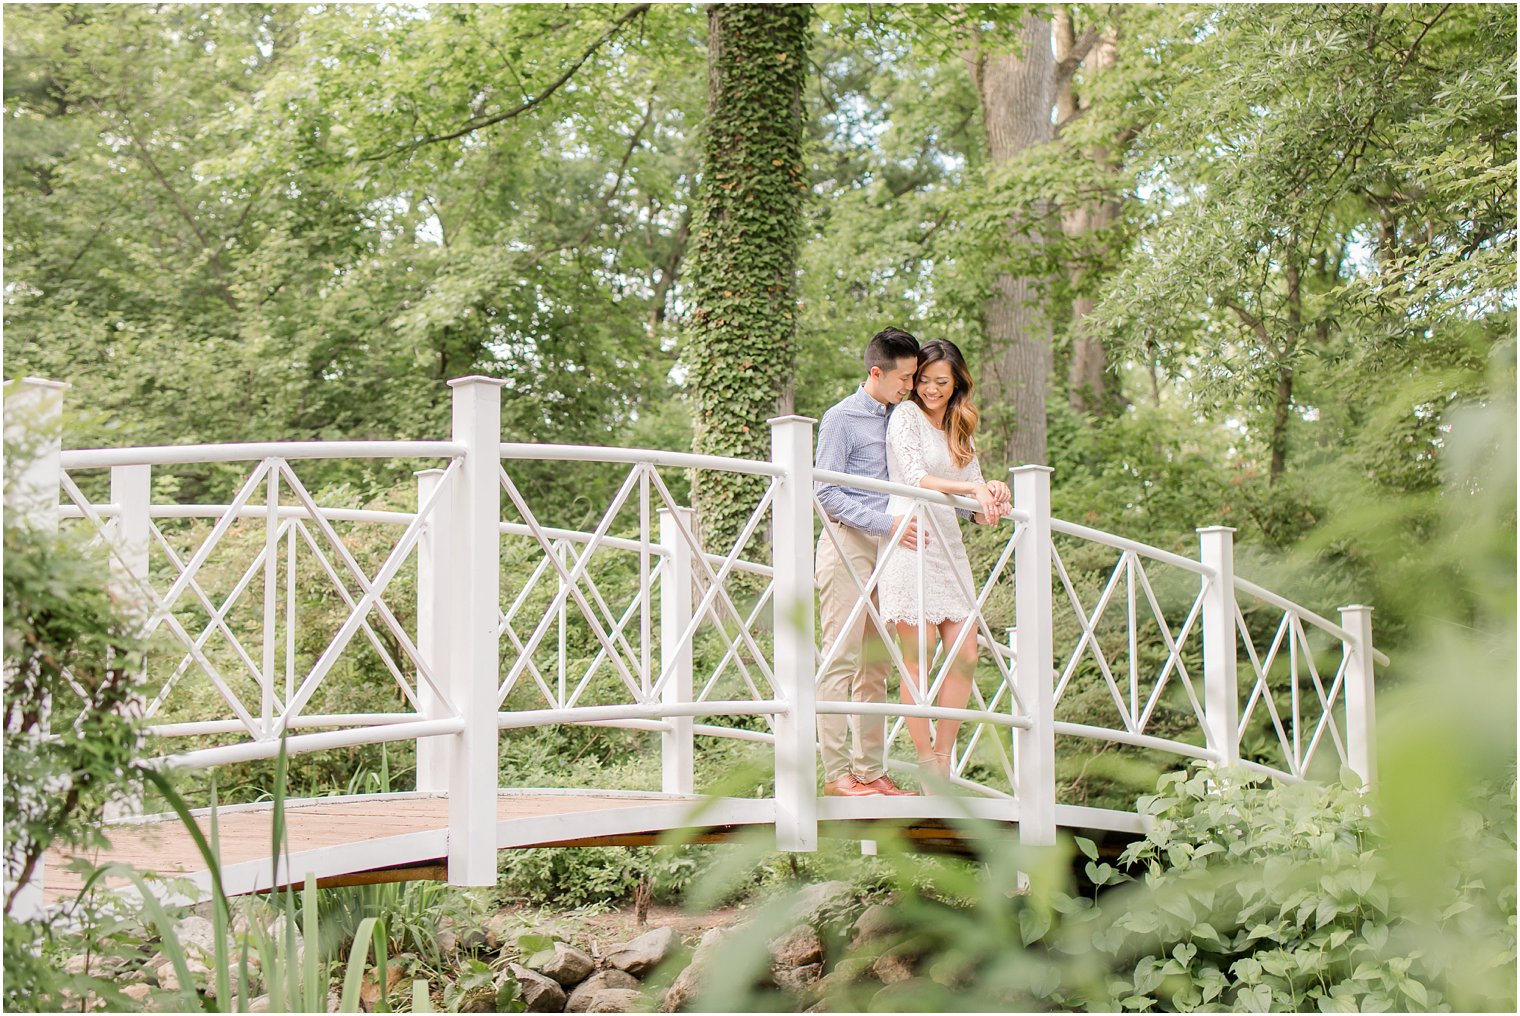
(918, 726)
(956, 690)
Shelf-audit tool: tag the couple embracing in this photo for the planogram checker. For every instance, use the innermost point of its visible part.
(911, 422)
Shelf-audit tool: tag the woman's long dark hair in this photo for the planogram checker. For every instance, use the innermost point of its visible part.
(961, 415)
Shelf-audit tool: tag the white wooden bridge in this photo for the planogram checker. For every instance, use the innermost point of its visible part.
(478, 613)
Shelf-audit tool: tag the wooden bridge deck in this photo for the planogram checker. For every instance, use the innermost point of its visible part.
(392, 837)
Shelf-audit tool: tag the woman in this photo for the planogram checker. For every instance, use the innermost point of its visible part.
(929, 445)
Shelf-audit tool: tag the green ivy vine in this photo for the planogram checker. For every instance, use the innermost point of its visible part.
(743, 258)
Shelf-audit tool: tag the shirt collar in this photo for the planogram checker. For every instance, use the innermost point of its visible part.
(869, 404)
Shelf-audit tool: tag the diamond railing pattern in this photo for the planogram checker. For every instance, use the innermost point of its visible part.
(264, 607)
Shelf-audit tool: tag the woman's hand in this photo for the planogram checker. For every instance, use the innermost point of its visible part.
(987, 498)
(1002, 495)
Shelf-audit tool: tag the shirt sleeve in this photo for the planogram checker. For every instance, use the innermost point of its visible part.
(833, 454)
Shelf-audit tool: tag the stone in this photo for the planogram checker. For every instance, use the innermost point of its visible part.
(891, 968)
(196, 933)
(334, 1002)
(369, 987)
(474, 940)
(260, 1004)
(448, 943)
(617, 1000)
(878, 921)
(276, 931)
(580, 998)
(566, 964)
(644, 953)
(899, 996)
(798, 978)
(688, 982)
(138, 993)
(797, 948)
(168, 976)
(539, 993)
(818, 903)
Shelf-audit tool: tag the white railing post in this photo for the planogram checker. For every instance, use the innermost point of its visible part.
(34, 427)
(792, 608)
(132, 494)
(1361, 723)
(433, 615)
(473, 538)
(1221, 695)
(1034, 660)
(677, 755)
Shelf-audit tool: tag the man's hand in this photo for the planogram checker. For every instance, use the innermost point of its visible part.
(910, 536)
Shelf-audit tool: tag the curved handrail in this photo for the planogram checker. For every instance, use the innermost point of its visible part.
(179, 455)
(651, 456)
(1285, 604)
(363, 728)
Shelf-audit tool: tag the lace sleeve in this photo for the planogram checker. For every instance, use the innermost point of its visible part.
(976, 468)
(905, 442)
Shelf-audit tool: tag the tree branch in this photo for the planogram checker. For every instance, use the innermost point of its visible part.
(480, 123)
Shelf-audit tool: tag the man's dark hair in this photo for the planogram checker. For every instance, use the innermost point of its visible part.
(888, 346)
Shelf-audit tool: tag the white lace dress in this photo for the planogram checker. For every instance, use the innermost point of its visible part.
(915, 449)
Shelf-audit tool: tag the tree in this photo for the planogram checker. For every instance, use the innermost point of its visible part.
(742, 276)
(1017, 93)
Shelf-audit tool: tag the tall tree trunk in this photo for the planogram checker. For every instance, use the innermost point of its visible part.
(744, 241)
(1087, 372)
(1016, 93)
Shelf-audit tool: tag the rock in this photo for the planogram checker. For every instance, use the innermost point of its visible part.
(502, 928)
(899, 996)
(821, 901)
(138, 993)
(276, 931)
(196, 933)
(369, 987)
(334, 1002)
(686, 985)
(260, 1004)
(846, 971)
(168, 976)
(539, 993)
(890, 968)
(644, 953)
(448, 943)
(798, 978)
(878, 921)
(617, 1000)
(475, 940)
(797, 948)
(580, 998)
(567, 965)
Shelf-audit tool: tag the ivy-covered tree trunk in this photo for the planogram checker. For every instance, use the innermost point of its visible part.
(744, 246)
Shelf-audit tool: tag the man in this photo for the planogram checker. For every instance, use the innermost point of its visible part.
(852, 438)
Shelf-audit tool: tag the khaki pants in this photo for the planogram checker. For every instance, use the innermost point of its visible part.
(858, 671)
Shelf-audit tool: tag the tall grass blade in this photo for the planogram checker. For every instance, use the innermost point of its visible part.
(219, 923)
(383, 1003)
(316, 992)
(422, 1000)
(353, 979)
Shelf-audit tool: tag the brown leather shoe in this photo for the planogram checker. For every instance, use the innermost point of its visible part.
(848, 786)
(884, 785)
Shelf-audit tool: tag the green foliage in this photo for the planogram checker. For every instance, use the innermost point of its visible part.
(744, 246)
(73, 655)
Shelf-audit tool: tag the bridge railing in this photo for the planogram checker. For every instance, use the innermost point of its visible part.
(519, 622)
